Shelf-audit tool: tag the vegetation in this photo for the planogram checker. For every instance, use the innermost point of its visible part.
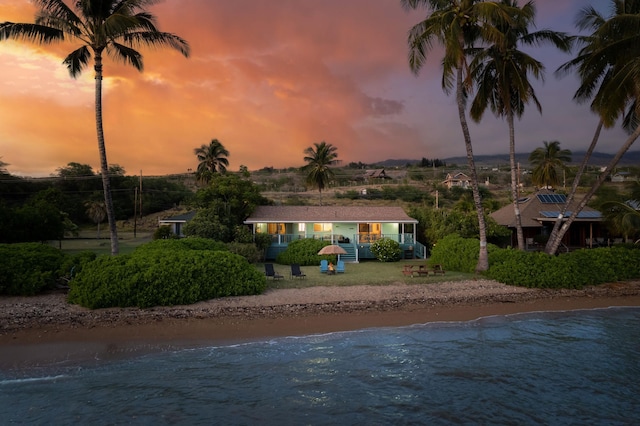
(386, 250)
(318, 165)
(458, 25)
(212, 159)
(304, 252)
(607, 65)
(165, 272)
(30, 268)
(502, 72)
(117, 27)
(546, 162)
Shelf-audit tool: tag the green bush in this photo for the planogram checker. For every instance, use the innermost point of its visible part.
(386, 250)
(190, 243)
(28, 268)
(567, 270)
(149, 278)
(456, 253)
(304, 252)
(163, 232)
(247, 250)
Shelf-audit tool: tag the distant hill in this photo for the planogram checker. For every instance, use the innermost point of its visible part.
(631, 158)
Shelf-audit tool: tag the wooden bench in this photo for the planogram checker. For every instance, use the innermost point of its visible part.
(437, 269)
(407, 270)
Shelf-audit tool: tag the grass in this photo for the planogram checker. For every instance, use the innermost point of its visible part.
(363, 273)
(89, 242)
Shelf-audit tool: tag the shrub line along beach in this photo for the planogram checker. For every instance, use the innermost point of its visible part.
(46, 329)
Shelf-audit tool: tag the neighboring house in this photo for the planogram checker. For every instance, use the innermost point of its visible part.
(376, 174)
(177, 222)
(621, 177)
(457, 179)
(538, 214)
(353, 228)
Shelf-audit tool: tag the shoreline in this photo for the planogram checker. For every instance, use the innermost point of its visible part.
(45, 330)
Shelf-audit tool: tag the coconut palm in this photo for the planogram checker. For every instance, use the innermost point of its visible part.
(546, 162)
(502, 73)
(117, 27)
(608, 66)
(97, 212)
(318, 168)
(457, 25)
(212, 159)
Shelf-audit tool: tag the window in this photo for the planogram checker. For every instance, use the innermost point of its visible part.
(302, 227)
(322, 227)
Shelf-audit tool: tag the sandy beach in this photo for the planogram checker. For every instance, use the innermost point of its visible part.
(45, 329)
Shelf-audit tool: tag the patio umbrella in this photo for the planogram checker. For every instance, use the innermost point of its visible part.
(332, 249)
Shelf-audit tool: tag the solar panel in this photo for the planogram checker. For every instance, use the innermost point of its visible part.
(552, 198)
(581, 215)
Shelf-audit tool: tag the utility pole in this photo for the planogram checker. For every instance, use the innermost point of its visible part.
(135, 213)
(140, 194)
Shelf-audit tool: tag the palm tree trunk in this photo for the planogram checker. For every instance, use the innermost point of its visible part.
(603, 176)
(483, 255)
(554, 241)
(104, 166)
(514, 180)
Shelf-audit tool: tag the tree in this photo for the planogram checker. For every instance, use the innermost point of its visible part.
(502, 72)
(319, 162)
(546, 162)
(457, 25)
(117, 27)
(608, 65)
(97, 212)
(212, 159)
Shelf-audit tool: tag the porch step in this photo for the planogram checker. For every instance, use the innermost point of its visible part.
(350, 256)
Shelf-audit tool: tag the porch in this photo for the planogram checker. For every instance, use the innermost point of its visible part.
(357, 246)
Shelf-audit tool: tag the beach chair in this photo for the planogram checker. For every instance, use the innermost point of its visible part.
(324, 266)
(340, 267)
(296, 272)
(271, 273)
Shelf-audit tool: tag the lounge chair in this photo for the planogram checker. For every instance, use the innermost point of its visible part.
(340, 267)
(296, 272)
(270, 272)
(324, 266)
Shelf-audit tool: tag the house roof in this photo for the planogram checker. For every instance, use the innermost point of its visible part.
(544, 205)
(334, 214)
(185, 217)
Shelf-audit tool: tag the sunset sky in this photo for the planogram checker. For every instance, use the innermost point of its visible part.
(267, 79)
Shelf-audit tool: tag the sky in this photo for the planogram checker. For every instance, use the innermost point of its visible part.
(268, 79)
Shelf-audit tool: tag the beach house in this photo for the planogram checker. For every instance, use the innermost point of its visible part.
(353, 228)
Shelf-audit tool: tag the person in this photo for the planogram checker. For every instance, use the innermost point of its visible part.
(331, 270)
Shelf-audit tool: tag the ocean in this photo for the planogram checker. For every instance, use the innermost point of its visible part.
(559, 368)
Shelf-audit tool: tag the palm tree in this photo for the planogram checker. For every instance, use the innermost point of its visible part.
(546, 161)
(608, 66)
(502, 75)
(117, 27)
(212, 159)
(318, 165)
(457, 24)
(97, 211)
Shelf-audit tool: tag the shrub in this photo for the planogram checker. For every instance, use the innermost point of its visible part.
(247, 250)
(304, 252)
(163, 232)
(456, 253)
(148, 278)
(568, 270)
(28, 268)
(386, 250)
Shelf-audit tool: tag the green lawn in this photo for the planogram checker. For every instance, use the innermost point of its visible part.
(367, 273)
(89, 242)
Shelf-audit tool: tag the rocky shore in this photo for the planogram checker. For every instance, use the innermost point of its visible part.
(52, 312)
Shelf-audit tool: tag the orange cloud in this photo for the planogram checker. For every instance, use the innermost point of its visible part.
(267, 79)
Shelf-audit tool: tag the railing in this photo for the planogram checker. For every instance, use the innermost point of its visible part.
(341, 239)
